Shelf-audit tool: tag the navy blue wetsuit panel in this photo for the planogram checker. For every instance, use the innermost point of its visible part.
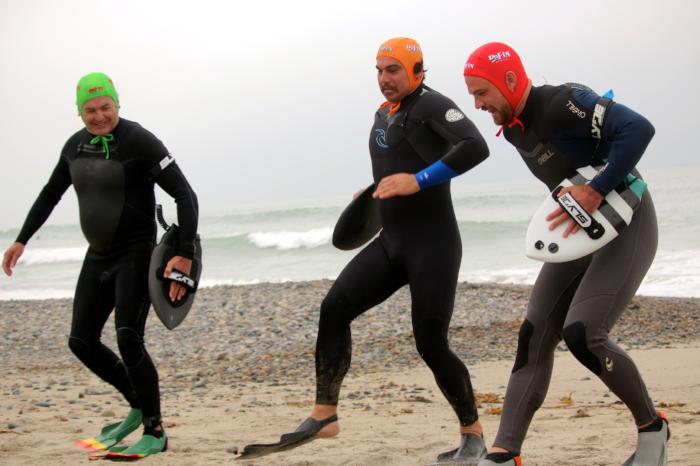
(559, 125)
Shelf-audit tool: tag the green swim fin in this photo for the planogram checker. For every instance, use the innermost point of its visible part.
(112, 434)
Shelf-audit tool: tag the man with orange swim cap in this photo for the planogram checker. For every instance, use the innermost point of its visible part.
(557, 130)
(420, 139)
(410, 57)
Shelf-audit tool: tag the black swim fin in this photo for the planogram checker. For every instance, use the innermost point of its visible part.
(359, 222)
(306, 432)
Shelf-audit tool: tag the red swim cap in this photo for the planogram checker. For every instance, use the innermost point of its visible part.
(408, 53)
(492, 61)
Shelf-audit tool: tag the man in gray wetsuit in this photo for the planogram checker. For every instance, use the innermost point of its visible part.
(557, 129)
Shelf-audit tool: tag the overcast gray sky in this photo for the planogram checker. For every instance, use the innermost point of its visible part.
(272, 102)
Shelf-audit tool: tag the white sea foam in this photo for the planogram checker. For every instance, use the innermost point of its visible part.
(280, 244)
(210, 282)
(675, 273)
(34, 256)
(672, 274)
(36, 294)
(284, 240)
(519, 276)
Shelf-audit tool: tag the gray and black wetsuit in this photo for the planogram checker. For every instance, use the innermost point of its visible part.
(419, 245)
(580, 300)
(117, 216)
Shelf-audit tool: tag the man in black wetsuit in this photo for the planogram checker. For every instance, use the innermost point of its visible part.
(113, 164)
(557, 129)
(420, 139)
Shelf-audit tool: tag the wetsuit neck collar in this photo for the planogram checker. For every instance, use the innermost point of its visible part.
(523, 100)
(105, 139)
(521, 117)
(394, 107)
(526, 114)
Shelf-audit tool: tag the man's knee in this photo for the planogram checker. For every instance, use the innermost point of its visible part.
(580, 346)
(80, 348)
(431, 341)
(130, 344)
(336, 310)
(523, 352)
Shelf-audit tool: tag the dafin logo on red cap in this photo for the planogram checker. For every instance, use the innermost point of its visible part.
(499, 56)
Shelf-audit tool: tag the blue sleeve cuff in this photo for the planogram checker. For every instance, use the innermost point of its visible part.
(596, 184)
(436, 173)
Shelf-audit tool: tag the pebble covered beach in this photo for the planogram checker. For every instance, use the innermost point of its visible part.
(247, 350)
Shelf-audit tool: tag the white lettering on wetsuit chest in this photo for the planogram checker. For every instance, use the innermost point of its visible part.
(597, 123)
(544, 156)
(575, 110)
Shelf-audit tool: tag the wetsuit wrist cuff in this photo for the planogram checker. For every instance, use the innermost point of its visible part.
(418, 180)
(596, 186)
(436, 173)
(186, 251)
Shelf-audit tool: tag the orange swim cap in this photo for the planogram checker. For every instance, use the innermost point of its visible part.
(408, 53)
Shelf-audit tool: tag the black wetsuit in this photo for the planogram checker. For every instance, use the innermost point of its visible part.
(117, 216)
(582, 299)
(419, 246)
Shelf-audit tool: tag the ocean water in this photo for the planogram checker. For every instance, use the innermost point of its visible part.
(253, 245)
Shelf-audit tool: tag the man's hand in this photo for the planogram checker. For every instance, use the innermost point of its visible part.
(184, 265)
(586, 196)
(399, 184)
(11, 257)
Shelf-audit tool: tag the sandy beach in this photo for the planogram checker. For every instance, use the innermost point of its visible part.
(240, 370)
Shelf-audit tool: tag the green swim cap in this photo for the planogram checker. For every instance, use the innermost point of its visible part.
(95, 85)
